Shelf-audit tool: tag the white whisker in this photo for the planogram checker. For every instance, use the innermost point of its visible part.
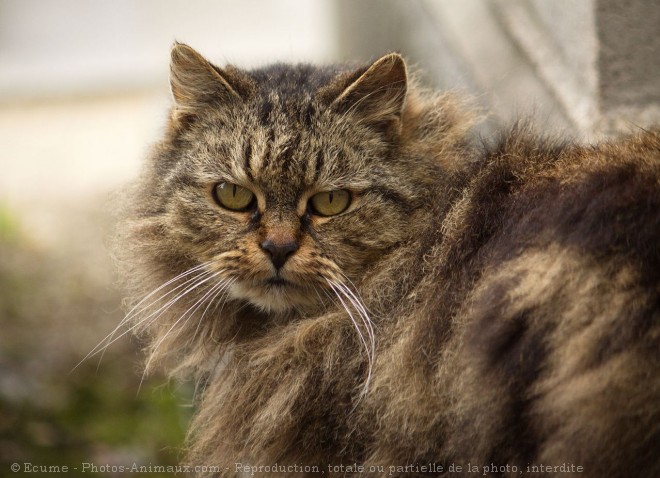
(98, 349)
(221, 303)
(359, 305)
(128, 317)
(159, 312)
(339, 290)
(108, 339)
(180, 276)
(216, 290)
(359, 308)
(354, 290)
(188, 313)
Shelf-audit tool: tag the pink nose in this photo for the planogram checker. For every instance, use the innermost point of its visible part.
(279, 252)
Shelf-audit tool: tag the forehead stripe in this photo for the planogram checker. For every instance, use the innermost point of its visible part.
(264, 112)
(318, 164)
(290, 148)
(268, 149)
(246, 159)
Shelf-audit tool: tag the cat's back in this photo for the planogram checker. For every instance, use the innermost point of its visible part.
(601, 199)
(559, 326)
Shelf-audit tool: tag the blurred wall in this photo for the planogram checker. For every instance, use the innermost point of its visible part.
(74, 47)
(590, 68)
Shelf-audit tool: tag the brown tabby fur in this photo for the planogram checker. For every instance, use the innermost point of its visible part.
(513, 288)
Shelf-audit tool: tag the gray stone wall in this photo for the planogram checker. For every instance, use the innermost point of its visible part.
(590, 67)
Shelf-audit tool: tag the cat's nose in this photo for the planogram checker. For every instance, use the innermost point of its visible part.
(279, 251)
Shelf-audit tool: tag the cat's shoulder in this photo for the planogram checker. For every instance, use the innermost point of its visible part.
(600, 197)
(561, 230)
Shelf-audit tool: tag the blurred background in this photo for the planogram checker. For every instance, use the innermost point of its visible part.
(84, 92)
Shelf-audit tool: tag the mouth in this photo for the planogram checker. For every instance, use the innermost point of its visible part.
(274, 294)
(279, 282)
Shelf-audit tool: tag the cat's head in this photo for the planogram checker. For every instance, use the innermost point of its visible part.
(274, 186)
(281, 181)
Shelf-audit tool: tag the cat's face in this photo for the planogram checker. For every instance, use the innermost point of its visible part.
(281, 182)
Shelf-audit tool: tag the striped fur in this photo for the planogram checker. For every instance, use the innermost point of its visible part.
(493, 306)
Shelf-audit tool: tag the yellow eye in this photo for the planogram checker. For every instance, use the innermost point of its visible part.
(233, 197)
(330, 203)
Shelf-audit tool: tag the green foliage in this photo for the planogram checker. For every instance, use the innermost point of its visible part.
(101, 422)
(9, 230)
(54, 307)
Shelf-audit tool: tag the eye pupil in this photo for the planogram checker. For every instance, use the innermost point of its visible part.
(233, 197)
(330, 203)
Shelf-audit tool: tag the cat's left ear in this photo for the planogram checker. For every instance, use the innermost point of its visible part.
(377, 95)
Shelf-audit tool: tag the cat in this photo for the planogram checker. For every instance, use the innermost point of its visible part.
(362, 288)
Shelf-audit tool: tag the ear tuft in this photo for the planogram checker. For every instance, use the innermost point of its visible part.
(378, 94)
(195, 81)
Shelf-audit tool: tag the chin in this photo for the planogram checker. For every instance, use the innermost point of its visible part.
(275, 297)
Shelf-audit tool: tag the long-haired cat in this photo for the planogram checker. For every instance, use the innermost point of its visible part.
(360, 289)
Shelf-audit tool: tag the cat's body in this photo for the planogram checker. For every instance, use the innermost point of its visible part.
(496, 307)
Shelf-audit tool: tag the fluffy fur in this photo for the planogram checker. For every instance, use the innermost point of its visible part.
(491, 306)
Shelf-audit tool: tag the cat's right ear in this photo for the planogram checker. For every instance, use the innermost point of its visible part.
(375, 94)
(195, 82)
